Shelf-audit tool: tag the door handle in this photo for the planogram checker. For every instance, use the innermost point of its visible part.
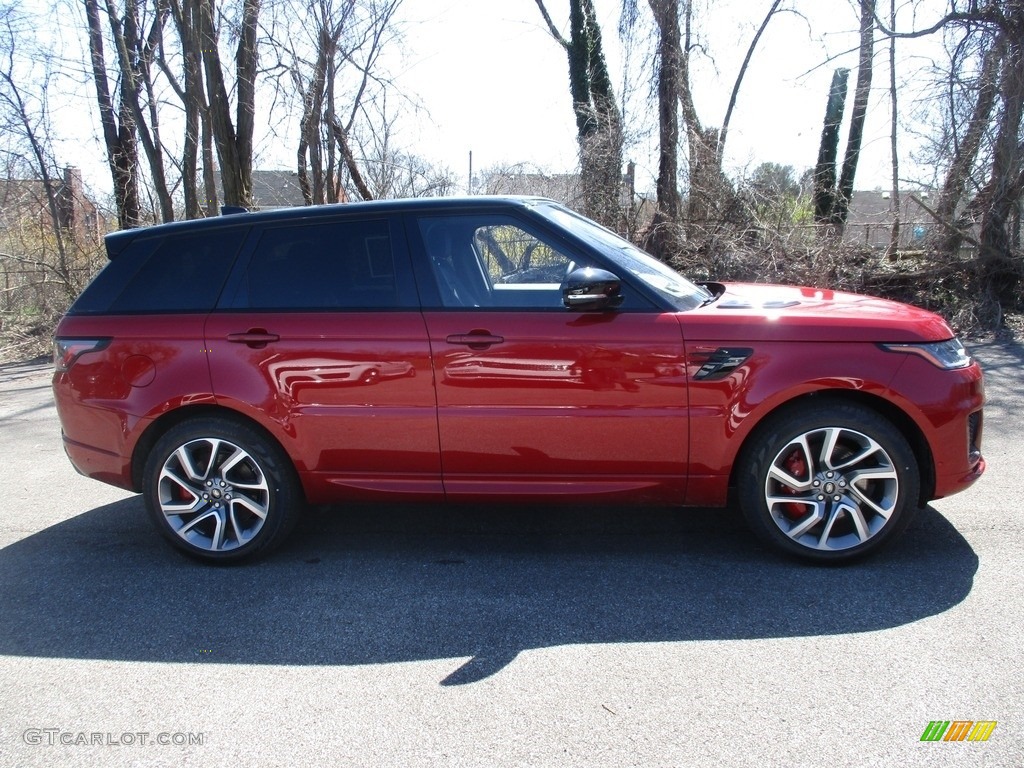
(257, 338)
(475, 339)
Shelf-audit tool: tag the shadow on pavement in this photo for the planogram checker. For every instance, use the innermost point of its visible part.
(368, 585)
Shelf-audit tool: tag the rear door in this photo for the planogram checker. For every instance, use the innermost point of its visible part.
(534, 398)
(320, 338)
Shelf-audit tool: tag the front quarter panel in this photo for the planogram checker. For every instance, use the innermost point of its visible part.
(725, 410)
(941, 404)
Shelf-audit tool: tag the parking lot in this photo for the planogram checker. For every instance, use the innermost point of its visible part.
(502, 636)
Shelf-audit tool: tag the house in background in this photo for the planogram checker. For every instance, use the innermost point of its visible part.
(25, 200)
(275, 189)
(870, 218)
(270, 190)
(561, 187)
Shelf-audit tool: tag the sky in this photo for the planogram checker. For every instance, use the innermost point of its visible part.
(495, 83)
(485, 76)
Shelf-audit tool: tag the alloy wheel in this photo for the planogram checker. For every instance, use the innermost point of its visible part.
(831, 489)
(213, 494)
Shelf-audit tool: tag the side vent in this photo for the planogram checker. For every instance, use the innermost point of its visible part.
(723, 361)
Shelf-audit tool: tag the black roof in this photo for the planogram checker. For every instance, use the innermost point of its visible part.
(117, 241)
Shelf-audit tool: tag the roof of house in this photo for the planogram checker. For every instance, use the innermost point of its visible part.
(276, 189)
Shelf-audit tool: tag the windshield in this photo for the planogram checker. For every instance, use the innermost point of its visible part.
(675, 288)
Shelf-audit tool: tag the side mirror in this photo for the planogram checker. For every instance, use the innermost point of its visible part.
(589, 289)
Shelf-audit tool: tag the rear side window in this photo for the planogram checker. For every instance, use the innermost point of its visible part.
(177, 273)
(325, 266)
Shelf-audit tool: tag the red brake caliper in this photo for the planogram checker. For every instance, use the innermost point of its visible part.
(796, 466)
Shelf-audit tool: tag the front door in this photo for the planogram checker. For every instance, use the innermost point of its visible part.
(536, 399)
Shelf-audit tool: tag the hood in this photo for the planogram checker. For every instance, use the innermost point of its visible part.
(782, 312)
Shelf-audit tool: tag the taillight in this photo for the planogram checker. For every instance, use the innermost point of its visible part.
(67, 351)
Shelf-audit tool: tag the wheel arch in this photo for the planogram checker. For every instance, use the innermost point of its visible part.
(173, 418)
(884, 408)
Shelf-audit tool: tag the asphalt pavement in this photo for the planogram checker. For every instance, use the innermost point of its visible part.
(502, 636)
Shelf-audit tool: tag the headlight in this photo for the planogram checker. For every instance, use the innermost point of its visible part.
(949, 355)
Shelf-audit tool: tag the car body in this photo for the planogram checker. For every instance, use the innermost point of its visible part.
(234, 369)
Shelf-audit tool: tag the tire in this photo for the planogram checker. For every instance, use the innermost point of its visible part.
(220, 491)
(830, 482)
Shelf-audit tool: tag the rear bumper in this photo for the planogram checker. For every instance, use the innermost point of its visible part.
(85, 427)
(98, 464)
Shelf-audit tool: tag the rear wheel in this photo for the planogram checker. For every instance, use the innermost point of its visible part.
(830, 482)
(221, 491)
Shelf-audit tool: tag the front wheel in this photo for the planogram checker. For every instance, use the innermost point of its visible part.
(220, 491)
(830, 483)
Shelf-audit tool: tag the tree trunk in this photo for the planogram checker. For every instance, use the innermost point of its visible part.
(234, 146)
(134, 69)
(894, 201)
(118, 129)
(664, 238)
(1002, 270)
(350, 161)
(828, 150)
(862, 93)
(598, 120)
(966, 152)
(193, 99)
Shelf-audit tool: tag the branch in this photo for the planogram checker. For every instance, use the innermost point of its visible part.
(41, 266)
(829, 60)
(945, 224)
(956, 16)
(551, 26)
(739, 78)
(350, 161)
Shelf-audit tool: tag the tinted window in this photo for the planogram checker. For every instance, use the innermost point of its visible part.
(324, 266)
(164, 274)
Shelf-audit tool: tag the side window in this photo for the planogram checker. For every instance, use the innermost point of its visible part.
(494, 262)
(515, 257)
(332, 265)
(172, 273)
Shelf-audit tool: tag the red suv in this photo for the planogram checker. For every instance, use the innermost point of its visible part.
(234, 369)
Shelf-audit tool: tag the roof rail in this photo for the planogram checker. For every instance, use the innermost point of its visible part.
(230, 210)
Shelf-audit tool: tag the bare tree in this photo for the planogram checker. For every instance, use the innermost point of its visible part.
(316, 84)
(710, 193)
(135, 55)
(329, 55)
(894, 199)
(119, 128)
(662, 239)
(861, 96)
(966, 143)
(598, 119)
(388, 170)
(995, 32)
(190, 89)
(232, 135)
(40, 231)
(832, 207)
